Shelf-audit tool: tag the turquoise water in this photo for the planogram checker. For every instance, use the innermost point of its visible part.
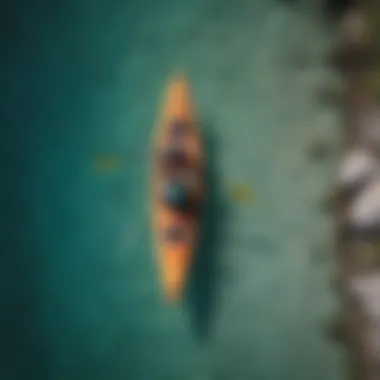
(83, 81)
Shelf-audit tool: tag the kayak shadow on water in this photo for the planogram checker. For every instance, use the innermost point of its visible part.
(202, 292)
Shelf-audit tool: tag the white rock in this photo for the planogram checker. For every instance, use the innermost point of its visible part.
(357, 165)
(364, 213)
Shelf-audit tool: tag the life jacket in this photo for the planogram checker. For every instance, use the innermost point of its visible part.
(177, 193)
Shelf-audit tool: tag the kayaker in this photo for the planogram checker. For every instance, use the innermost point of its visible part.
(180, 176)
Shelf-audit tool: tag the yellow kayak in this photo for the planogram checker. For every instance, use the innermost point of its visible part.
(174, 256)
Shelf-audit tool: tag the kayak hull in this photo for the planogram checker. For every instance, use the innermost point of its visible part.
(174, 258)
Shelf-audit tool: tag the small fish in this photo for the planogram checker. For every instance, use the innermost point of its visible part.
(106, 163)
(241, 194)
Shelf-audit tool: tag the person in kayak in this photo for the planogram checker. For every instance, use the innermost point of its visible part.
(180, 177)
(181, 195)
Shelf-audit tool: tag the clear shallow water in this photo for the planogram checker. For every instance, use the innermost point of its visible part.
(85, 80)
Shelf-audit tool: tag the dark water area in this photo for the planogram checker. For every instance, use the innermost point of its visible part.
(79, 294)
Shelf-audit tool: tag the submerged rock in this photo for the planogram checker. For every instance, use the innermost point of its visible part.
(336, 329)
(319, 150)
(366, 290)
(330, 94)
(368, 126)
(335, 8)
(351, 50)
(353, 28)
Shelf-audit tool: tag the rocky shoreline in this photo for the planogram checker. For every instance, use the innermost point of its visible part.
(358, 256)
